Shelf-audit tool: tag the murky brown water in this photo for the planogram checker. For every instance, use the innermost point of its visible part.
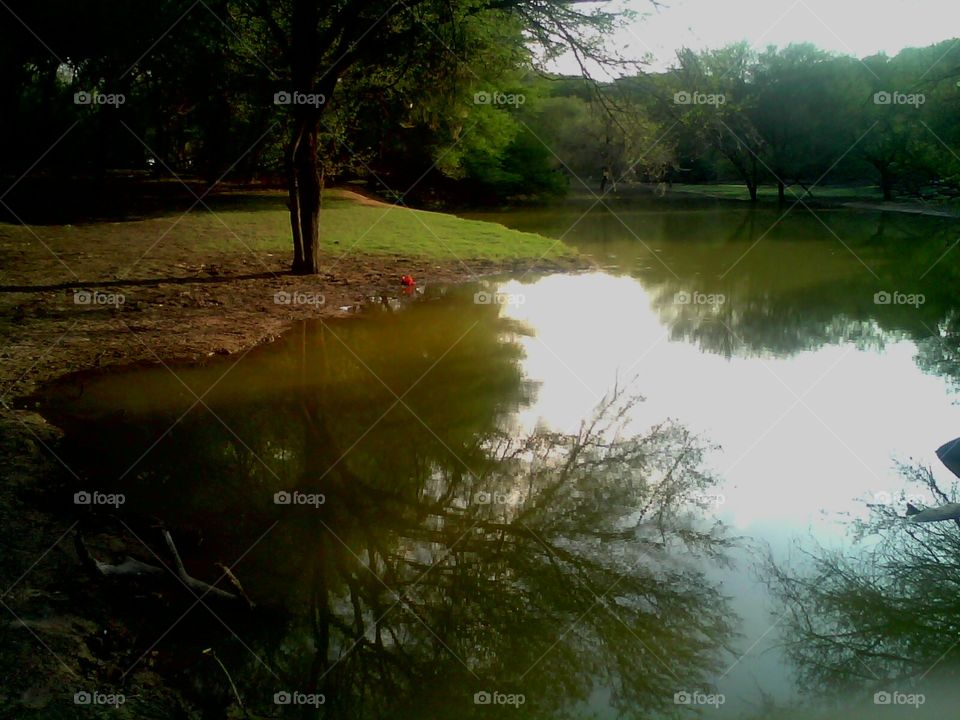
(464, 525)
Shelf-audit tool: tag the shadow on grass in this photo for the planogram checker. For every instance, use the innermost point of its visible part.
(145, 282)
(59, 201)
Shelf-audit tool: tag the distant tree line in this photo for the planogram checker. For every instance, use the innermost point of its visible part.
(799, 116)
(453, 109)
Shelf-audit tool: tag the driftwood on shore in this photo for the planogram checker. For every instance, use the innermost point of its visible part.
(133, 568)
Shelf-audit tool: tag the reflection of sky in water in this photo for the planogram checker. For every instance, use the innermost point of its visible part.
(805, 439)
(801, 436)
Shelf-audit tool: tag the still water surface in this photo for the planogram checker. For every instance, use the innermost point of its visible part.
(566, 495)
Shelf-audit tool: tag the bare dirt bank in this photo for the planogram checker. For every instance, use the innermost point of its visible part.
(52, 328)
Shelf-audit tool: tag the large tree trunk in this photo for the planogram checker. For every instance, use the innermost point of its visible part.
(305, 188)
(303, 164)
(886, 182)
(747, 174)
(781, 192)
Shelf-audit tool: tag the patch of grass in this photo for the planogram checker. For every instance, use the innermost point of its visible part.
(348, 224)
(392, 230)
(769, 192)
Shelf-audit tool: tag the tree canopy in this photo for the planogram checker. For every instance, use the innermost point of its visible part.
(435, 102)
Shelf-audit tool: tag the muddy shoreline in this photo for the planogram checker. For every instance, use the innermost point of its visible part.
(61, 631)
(190, 319)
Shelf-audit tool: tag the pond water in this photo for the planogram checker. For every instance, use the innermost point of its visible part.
(552, 494)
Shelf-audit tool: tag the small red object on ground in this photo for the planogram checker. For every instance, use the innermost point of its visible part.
(407, 281)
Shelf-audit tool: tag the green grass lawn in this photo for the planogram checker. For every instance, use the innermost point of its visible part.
(863, 194)
(240, 225)
(427, 234)
(349, 226)
(769, 192)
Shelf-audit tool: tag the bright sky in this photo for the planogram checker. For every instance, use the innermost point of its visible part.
(854, 27)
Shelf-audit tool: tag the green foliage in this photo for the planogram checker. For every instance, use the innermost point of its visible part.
(402, 112)
(798, 115)
(525, 168)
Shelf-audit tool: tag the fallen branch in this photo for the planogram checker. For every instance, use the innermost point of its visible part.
(199, 587)
(131, 567)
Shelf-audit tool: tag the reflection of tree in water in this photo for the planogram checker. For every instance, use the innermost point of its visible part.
(753, 327)
(548, 572)
(782, 298)
(883, 617)
(939, 353)
(793, 282)
(450, 556)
